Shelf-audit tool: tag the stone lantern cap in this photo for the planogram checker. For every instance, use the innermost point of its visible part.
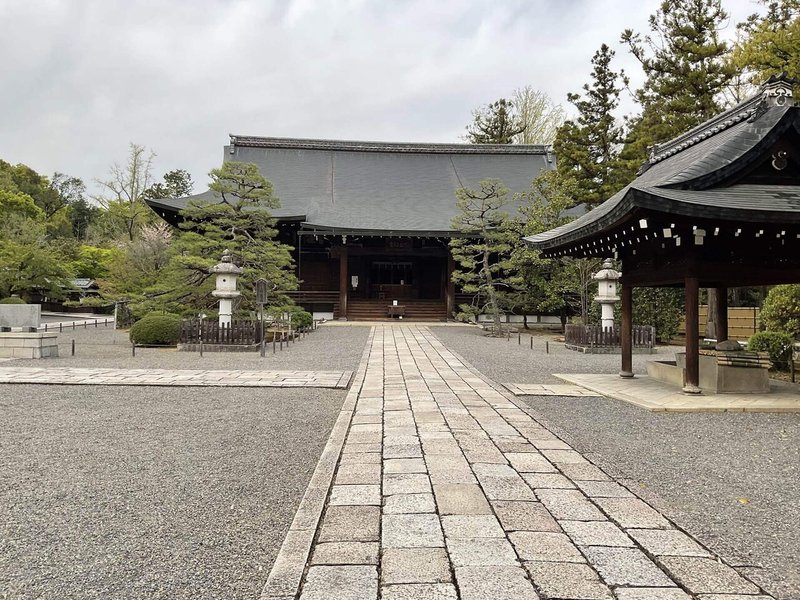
(607, 273)
(226, 266)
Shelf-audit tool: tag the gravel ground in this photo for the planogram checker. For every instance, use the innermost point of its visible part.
(326, 349)
(149, 492)
(730, 479)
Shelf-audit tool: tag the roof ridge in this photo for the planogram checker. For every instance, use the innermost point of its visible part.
(396, 147)
(754, 106)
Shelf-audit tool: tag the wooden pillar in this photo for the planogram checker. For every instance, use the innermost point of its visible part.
(626, 335)
(450, 286)
(722, 313)
(691, 384)
(343, 283)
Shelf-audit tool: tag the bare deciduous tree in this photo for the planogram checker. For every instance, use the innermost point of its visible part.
(541, 116)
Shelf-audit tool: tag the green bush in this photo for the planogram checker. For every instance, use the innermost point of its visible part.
(13, 300)
(157, 329)
(301, 318)
(777, 344)
(781, 310)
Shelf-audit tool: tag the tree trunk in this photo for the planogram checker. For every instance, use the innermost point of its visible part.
(712, 319)
(487, 274)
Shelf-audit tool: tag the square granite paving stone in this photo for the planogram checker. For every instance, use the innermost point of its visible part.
(350, 523)
(702, 575)
(355, 495)
(596, 533)
(530, 462)
(420, 591)
(545, 546)
(653, 594)
(400, 440)
(351, 448)
(345, 553)
(517, 515)
(415, 565)
(409, 504)
(569, 505)
(403, 451)
(603, 489)
(567, 581)
(513, 443)
(461, 499)
(472, 526)
(341, 583)
(411, 531)
(352, 474)
(365, 437)
(441, 447)
(583, 472)
(487, 456)
(626, 566)
(481, 552)
(404, 465)
(494, 583)
(548, 481)
(561, 457)
(667, 542)
(360, 458)
(406, 483)
(632, 512)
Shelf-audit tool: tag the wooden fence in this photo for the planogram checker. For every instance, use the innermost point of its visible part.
(644, 336)
(743, 322)
(211, 332)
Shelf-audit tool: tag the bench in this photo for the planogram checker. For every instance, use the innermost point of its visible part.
(396, 310)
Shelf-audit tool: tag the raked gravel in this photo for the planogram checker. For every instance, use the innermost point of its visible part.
(123, 492)
(730, 479)
(326, 349)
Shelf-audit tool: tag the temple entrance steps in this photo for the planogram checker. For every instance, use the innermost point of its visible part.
(378, 310)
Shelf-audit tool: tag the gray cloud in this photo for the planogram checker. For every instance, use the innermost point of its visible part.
(81, 79)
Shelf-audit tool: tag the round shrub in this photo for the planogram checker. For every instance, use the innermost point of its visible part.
(13, 300)
(781, 310)
(156, 329)
(777, 344)
(301, 318)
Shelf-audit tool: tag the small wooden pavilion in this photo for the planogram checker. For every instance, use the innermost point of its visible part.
(716, 207)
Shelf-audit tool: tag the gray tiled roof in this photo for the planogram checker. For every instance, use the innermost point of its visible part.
(687, 176)
(377, 186)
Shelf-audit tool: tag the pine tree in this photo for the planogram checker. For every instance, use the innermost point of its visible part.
(483, 252)
(495, 123)
(241, 223)
(686, 67)
(588, 147)
(771, 42)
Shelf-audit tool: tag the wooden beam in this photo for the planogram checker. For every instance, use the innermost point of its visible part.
(343, 282)
(626, 335)
(450, 285)
(691, 384)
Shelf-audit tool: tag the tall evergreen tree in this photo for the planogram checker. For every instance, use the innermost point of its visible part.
(771, 42)
(588, 147)
(686, 65)
(495, 123)
(483, 254)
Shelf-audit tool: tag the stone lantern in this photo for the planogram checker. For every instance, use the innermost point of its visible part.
(607, 279)
(227, 273)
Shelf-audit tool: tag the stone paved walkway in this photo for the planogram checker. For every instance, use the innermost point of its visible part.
(183, 377)
(549, 389)
(445, 489)
(658, 396)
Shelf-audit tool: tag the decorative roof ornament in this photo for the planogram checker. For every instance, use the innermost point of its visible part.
(777, 90)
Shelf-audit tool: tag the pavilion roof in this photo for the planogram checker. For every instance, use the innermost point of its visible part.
(379, 187)
(698, 175)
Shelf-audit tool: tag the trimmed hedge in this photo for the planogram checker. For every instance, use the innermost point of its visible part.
(301, 318)
(156, 329)
(777, 344)
(13, 300)
(781, 310)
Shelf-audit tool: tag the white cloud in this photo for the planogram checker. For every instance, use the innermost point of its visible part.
(81, 79)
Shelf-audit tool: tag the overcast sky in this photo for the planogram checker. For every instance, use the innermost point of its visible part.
(80, 79)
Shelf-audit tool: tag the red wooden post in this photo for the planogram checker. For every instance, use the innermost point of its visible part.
(343, 283)
(692, 380)
(627, 331)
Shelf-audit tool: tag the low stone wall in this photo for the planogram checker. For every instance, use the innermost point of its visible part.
(28, 345)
